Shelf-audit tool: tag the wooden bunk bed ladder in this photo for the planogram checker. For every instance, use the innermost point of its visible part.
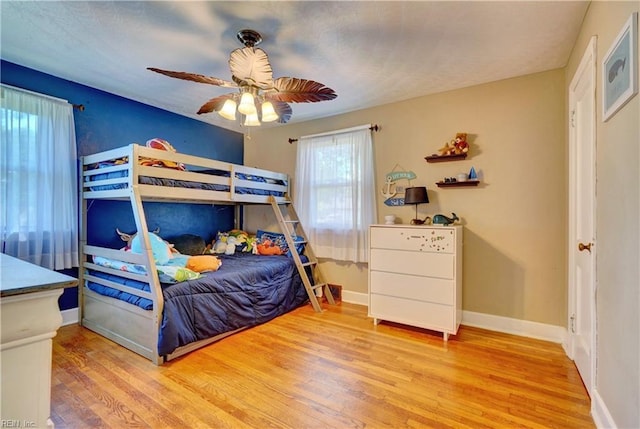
(292, 229)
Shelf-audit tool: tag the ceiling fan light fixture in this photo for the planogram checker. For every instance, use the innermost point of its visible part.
(252, 77)
(228, 110)
(247, 104)
(268, 112)
(252, 120)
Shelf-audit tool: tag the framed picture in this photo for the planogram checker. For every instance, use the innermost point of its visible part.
(620, 69)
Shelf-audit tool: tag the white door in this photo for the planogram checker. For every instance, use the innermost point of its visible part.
(582, 201)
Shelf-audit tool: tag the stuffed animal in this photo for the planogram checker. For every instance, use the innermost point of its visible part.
(232, 242)
(128, 238)
(188, 244)
(252, 245)
(203, 263)
(460, 143)
(161, 144)
(456, 146)
(159, 247)
(267, 247)
(445, 150)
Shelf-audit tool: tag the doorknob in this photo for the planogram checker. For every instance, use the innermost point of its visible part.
(582, 247)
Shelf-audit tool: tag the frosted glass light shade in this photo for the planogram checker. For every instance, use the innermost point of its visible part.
(251, 120)
(247, 105)
(228, 110)
(268, 112)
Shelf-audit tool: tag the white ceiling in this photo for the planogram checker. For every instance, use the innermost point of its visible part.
(371, 53)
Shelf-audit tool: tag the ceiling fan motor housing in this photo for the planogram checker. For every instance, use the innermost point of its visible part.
(249, 38)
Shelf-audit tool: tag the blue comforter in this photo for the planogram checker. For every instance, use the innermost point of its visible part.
(246, 291)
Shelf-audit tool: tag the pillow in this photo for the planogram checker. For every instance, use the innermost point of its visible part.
(161, 250)
(269, 239)
(203, 263)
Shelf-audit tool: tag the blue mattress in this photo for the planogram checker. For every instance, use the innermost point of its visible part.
(145, 180)
(246, 291)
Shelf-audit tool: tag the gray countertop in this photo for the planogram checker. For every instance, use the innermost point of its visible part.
(18, 277)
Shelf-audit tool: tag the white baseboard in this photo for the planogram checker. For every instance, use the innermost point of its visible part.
(600, 413)
(355, 297)
(69, 317)
(524, 328)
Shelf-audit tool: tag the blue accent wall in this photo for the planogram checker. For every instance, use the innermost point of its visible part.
(110, 121)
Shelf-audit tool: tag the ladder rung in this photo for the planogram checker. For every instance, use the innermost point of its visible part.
(285, 219)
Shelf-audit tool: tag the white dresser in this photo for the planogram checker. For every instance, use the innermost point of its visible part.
(415, 276)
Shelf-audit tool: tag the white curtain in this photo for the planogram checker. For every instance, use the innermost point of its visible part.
(334, 192)
(38, 179)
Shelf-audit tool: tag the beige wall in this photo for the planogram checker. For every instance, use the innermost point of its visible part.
(617, 228)
(515, 221)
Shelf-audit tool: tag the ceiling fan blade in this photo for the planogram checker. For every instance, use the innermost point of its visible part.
(195, 77)
(251, 66)
(294, 90)
(215, 104)
(283, 110)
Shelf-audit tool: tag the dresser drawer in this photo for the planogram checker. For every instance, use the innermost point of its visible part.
(440, 240)
(426, 289)
(427, 315)
(440, 265)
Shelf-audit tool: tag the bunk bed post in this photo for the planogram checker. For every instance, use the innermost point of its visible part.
(83, 239)
(237, 212)
(152, 271)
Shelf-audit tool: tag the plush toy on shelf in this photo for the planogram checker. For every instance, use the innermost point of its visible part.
(460, 144)
(446, 150)
(457, 146)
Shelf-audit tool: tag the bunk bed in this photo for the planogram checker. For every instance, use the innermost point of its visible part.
(136, 307)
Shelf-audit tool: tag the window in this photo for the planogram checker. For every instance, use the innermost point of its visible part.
(334, 194)
(38, 179)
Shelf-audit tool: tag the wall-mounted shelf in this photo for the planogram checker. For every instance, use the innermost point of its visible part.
(457, 184)
(445, 158)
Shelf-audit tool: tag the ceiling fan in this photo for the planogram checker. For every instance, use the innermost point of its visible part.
(260, 97)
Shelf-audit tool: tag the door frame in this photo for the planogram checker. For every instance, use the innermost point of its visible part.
(589, 59)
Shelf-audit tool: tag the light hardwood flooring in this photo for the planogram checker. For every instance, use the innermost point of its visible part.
(329, 370)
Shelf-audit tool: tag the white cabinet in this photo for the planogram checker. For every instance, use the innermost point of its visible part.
(415, 276)
(30, 318)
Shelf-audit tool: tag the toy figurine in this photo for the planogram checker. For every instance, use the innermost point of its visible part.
(444, 220)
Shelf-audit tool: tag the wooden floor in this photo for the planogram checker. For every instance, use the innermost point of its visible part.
(329, 370)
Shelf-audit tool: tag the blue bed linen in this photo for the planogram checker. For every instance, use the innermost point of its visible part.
(143, 303)
(246, 291)
(145, 180)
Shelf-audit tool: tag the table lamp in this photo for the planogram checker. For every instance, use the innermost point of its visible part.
(416, 195)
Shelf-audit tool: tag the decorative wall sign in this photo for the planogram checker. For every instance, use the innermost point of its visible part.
(620, 69)
(391, 191)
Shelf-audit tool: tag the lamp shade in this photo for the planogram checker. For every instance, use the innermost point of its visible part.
(247, 105)
(251, 120)
(228, 110)
(268, 112)
(416, 195)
